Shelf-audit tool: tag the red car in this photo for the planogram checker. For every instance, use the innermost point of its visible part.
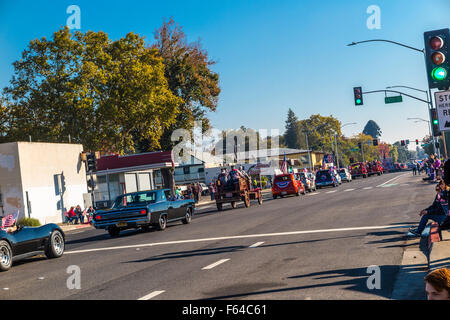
(358, 169)
(286, 184)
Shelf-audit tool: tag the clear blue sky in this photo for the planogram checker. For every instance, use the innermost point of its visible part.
(271, 55)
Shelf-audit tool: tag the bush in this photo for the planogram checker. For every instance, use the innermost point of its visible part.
(29, 222)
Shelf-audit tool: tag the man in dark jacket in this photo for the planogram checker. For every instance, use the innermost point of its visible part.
(437, 211)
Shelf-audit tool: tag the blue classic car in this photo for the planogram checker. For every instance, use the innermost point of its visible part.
(326, 178)
(30, 241)
(144, 209)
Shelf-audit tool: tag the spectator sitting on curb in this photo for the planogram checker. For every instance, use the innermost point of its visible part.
(437, 211)
(437, 284)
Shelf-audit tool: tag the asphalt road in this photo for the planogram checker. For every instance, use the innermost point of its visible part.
(316, 246)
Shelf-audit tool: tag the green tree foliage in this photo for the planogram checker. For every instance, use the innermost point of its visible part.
(403, 153)
(189, 76)
(372, 129)
(291, 135)
(321, 131)
(105, 94)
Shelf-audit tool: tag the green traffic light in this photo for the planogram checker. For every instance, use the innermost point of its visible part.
(435, 121)
(358, 101)
(439, 73)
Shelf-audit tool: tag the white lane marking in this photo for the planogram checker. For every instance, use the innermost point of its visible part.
(256, 244)
(348, 190)
(152, 295)
(289, 233)
(392, 179)
(215, 264)
(331, 191)
(367, 188)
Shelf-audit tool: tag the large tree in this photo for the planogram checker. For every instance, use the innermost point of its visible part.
(189, 76)
(372, 129)
(105, 94)
(291, 135)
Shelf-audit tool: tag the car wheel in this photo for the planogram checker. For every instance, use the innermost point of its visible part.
(55, 246)
(5, 256)
(114, 232)
(162, 223)
(188, 217)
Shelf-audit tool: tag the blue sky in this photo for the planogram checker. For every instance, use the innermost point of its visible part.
(271, 55)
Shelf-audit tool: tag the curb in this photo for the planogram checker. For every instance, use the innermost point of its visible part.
(66, 227)
(439, 249)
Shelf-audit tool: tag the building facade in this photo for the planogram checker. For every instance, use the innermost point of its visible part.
(41, 180)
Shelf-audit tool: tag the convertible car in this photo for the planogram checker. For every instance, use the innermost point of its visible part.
(30, 241)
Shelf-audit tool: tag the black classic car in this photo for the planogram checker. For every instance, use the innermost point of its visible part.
(30, 241)
(144, 209)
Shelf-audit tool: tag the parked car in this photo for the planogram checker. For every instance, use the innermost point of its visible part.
(337, 175)
(26, 242)
(326, 178)
(286, 184)
(144, 209)
(345, 174)
(308, 180)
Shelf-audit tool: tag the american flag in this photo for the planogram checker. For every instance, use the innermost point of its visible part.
(9, 220)
(284, 165)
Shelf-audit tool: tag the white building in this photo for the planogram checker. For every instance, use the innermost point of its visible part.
(30, 179)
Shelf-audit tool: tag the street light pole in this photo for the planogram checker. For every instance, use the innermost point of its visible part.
(429, 98)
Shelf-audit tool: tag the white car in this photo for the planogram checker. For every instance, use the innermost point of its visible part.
(345, 174)
(338, 177)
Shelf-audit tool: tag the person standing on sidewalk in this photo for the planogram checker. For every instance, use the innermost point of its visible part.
(212, 190)
(437, 284)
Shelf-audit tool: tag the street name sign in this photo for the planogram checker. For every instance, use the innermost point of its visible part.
(442, 101)
(393, 99)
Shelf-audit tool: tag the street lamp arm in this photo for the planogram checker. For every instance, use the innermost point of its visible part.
(427, 102)
(390, 87)
(382, 40)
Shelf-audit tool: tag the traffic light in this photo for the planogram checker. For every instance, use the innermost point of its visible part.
(91, 162)
(403, 143)
(417, 142)
(437, 58)
(375, 142)
(434, 123)
(436, 144)
(357, 93)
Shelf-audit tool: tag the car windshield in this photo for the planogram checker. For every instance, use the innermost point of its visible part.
(323, 174)
(134, 199)
(283, 178)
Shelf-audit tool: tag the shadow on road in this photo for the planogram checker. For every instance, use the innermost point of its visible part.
(357, 279)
